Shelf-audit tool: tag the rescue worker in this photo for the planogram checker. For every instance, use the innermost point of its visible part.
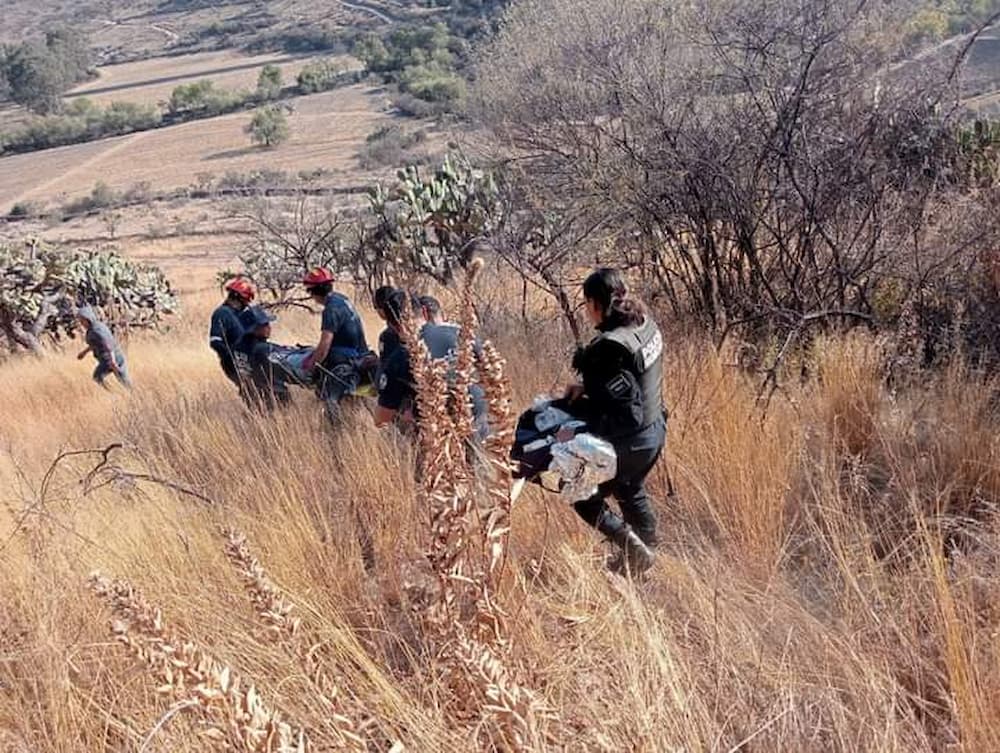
(102, 344)
(440, 335)
(379, 298)
(226, 330)
(396, 389)
(620, 398)
(342, 354)
(263, 386)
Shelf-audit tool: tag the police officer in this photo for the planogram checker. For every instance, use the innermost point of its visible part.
(342, 351)
(263, 386)
(226, 330)
(620, 397)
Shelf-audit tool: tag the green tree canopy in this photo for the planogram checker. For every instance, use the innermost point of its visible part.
(269, 126)
(269, 82)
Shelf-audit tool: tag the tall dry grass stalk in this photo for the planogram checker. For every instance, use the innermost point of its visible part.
(276, 614)
(232, 712)
(468, 534)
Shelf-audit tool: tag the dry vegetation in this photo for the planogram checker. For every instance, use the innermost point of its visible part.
(808, 598)
(153, 27)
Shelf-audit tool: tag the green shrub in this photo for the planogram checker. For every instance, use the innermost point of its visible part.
(320, 76)
(269, 82)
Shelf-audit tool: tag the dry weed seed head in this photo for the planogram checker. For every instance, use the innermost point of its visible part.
(275, 612)
(467, 537)
(233, 715)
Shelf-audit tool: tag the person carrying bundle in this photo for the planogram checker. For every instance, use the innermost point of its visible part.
(614, 419)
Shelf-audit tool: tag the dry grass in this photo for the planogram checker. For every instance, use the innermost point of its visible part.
(326, 132)
(808, 599)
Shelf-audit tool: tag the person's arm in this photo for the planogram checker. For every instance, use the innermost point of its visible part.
(216, 335)
(83, 353)
(320, 352)
(331, 324)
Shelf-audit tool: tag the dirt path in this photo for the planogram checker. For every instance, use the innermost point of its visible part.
(171, 35)
(363, 7)
(88, 164)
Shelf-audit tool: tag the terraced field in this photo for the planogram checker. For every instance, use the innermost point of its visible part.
(327, 130)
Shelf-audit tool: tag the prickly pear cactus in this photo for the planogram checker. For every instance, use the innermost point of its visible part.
(41, 285)
(427, 224)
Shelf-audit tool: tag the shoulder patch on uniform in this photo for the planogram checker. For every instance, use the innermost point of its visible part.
(619, 386)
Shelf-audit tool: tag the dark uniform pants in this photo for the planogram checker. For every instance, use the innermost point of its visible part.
(339, 378)
(636, 458)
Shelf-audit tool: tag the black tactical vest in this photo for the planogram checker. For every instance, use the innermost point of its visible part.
(645, 344)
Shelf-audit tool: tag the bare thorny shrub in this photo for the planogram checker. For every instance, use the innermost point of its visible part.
(771, 169)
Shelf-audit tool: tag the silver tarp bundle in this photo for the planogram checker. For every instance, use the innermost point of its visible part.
(584, 463)
(581, 464)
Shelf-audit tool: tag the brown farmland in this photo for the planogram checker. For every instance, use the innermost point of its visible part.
(326, 131)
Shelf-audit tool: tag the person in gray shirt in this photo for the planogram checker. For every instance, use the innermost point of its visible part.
(102, 344)
(441, 338)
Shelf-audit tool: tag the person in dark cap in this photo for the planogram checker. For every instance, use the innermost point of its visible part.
(261, 385)
(102, 344)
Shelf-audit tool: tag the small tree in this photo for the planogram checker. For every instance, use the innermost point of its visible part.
(269, 83)
(269, 127)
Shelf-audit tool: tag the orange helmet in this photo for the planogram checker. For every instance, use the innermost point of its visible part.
(242, 287)
(317, 276)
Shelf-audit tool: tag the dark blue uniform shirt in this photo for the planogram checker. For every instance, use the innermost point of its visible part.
(396, 389)
(224, 335)
(340, 319)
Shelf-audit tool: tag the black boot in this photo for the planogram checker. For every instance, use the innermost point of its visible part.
(634, 557)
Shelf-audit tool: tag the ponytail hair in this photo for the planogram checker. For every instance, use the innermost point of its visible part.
(606, 287)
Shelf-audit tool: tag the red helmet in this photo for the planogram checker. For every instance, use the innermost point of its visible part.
(241, 287)
(317, 276)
